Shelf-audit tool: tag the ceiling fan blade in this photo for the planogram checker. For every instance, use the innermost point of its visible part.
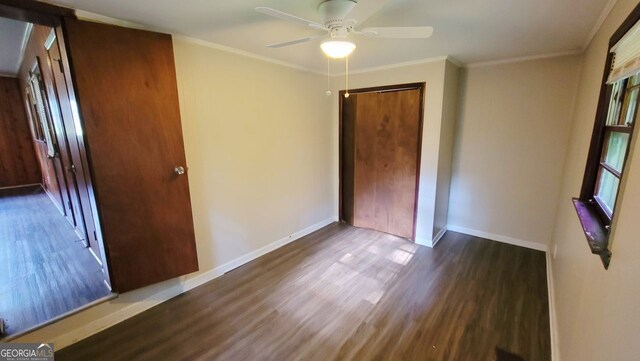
(416, 32)
(364, 9)
(293, 42)
(288, 17)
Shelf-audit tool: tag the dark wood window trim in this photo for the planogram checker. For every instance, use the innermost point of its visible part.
(594, 216)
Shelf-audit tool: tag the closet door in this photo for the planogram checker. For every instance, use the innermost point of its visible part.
(125, 83)
(78, 185)
(59, 127)
(385, 131)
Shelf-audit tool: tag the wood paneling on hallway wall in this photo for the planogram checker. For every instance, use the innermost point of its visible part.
(18, 164)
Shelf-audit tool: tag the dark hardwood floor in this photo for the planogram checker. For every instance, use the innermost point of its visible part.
(45, 270)
(344, 293)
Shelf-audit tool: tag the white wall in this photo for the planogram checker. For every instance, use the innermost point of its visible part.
(597, 310)
(445, 156)
(433, 74)
(259, 149)
(511, 141)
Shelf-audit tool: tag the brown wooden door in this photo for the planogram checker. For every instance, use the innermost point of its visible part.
(126, 87)
(78, 185)
(383, 132)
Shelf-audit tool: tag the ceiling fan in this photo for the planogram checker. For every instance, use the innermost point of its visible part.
(340, 18)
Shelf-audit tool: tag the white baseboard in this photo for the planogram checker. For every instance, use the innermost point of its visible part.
(553, 321)
(438, 236)
(187, 284)
(431, 243)
(499, 238)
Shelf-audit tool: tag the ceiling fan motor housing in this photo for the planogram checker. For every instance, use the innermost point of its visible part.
(339, 32)
(333, 12)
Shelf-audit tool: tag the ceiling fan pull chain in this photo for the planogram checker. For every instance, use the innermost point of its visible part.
(328, 77)
(346, 73)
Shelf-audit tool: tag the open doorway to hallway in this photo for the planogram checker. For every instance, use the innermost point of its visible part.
(50, 260)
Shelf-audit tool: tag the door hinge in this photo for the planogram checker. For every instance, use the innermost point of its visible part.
(95, 235)
(69, 205)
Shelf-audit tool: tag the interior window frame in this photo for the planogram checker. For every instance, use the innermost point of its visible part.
(595, 217)
(605, 213)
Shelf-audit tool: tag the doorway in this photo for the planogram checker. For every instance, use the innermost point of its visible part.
(51, 264)
(380, 148)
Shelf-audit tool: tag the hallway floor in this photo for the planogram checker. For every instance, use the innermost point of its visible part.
(45, 270)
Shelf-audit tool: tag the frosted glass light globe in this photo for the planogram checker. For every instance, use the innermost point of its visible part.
(337, 49)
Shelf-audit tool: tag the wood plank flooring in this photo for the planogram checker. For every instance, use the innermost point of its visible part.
(45, 270)
(344, 293)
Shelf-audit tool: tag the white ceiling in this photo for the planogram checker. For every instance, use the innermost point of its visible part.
(471, 31)
(12, 35)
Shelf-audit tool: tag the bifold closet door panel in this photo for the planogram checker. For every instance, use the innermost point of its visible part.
(387, 137)
(349, 106)
(79, 186)
(125, 82)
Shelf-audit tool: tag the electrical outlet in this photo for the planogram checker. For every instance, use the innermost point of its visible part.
(555, 250)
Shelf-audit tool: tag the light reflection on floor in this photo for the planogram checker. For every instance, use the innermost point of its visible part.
(350, 284)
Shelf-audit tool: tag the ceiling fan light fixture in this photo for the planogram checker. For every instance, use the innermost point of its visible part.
(337, 49)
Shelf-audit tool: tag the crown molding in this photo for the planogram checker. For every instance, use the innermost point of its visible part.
(596, 27)
(86, 15)
(400, 65)
(109, 20)
(455, 61)
(244, 53)
(523, 59)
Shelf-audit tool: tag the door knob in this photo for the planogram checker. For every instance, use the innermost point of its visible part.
(179, 170)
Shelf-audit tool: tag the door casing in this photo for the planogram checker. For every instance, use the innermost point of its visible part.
(386, 88)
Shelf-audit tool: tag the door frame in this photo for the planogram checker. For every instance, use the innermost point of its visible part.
(381, 89)
(34, 12)
(53, 16)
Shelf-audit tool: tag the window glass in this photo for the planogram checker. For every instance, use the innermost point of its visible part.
(634, 80)
(615, 103)
(618, 106)
(629, 108)
(607, 189)
(616, 149)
